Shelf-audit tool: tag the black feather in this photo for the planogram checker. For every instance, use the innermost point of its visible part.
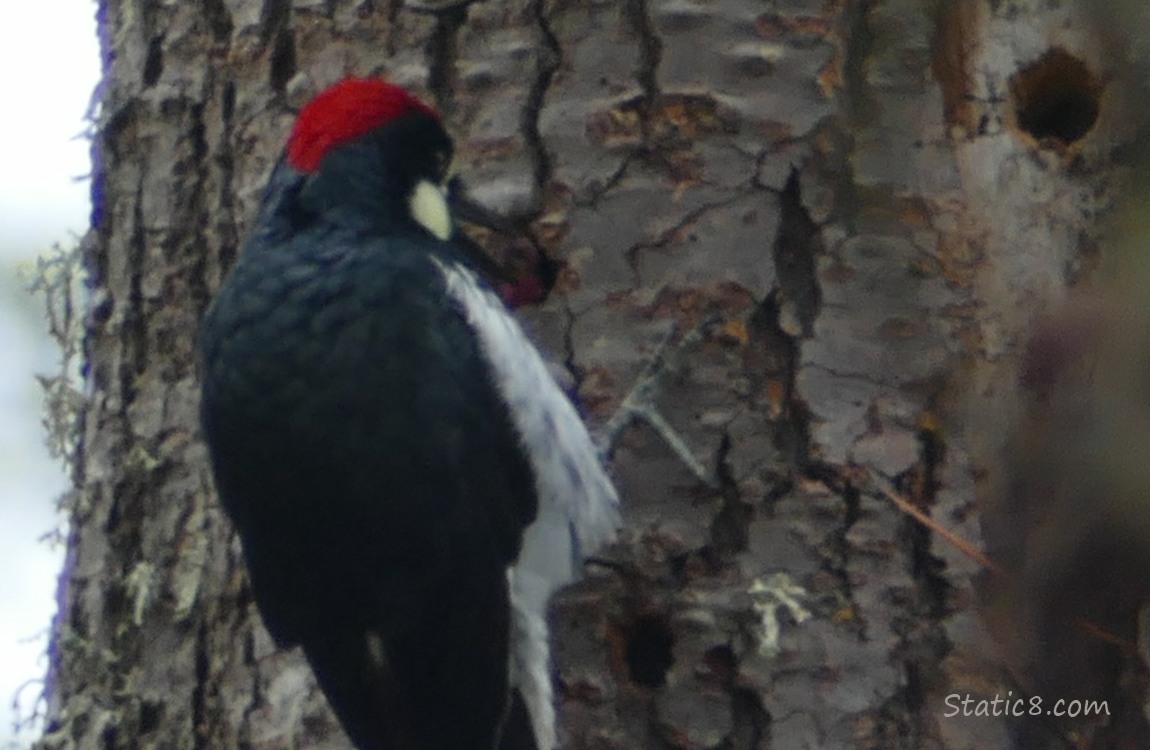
(366, 457)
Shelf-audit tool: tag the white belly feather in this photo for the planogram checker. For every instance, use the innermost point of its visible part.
(578, 508)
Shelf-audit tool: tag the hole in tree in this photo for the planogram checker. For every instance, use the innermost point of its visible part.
(1056, 97)
(721, 664)
(649, 647)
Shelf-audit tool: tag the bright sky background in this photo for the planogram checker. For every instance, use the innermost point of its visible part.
(50, 65)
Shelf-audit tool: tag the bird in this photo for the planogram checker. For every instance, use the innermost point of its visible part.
(409, 483)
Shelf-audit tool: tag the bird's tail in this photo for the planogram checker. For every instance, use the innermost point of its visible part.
(441, 684)
(356, 674)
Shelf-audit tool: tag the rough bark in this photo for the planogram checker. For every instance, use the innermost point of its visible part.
(839, 216)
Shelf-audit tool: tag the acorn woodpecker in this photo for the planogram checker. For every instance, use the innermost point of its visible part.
(409, 483)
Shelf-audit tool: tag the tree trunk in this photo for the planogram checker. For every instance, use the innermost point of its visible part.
(838, 216)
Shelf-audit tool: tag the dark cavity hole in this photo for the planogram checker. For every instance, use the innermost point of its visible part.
(1056, 97)
(649, 647)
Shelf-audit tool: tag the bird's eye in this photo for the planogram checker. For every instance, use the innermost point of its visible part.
(442, 166)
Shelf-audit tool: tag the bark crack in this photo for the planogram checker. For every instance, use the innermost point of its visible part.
(927, 643)
(858, 377)
(219, 20)
(134, 328)
(443, 52)
(546, 64)
(667, 236)
(638, 15)
(796, 245)
(200, 691)
(729, 527)
(275, 16)
(591, 198)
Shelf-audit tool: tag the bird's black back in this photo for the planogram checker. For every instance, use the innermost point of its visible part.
(372, 471)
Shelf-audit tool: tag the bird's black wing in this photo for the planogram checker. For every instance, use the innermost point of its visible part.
(374, 475)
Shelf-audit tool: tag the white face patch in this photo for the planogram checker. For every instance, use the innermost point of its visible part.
(428, 203)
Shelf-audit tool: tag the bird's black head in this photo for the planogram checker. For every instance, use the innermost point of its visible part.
(372, 149)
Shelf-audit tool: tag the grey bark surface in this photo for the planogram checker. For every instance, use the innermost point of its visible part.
(837, 213)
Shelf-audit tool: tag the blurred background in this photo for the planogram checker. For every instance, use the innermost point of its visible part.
(50, 62)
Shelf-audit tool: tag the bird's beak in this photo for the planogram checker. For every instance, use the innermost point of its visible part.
(525, 275)
(465, 208)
